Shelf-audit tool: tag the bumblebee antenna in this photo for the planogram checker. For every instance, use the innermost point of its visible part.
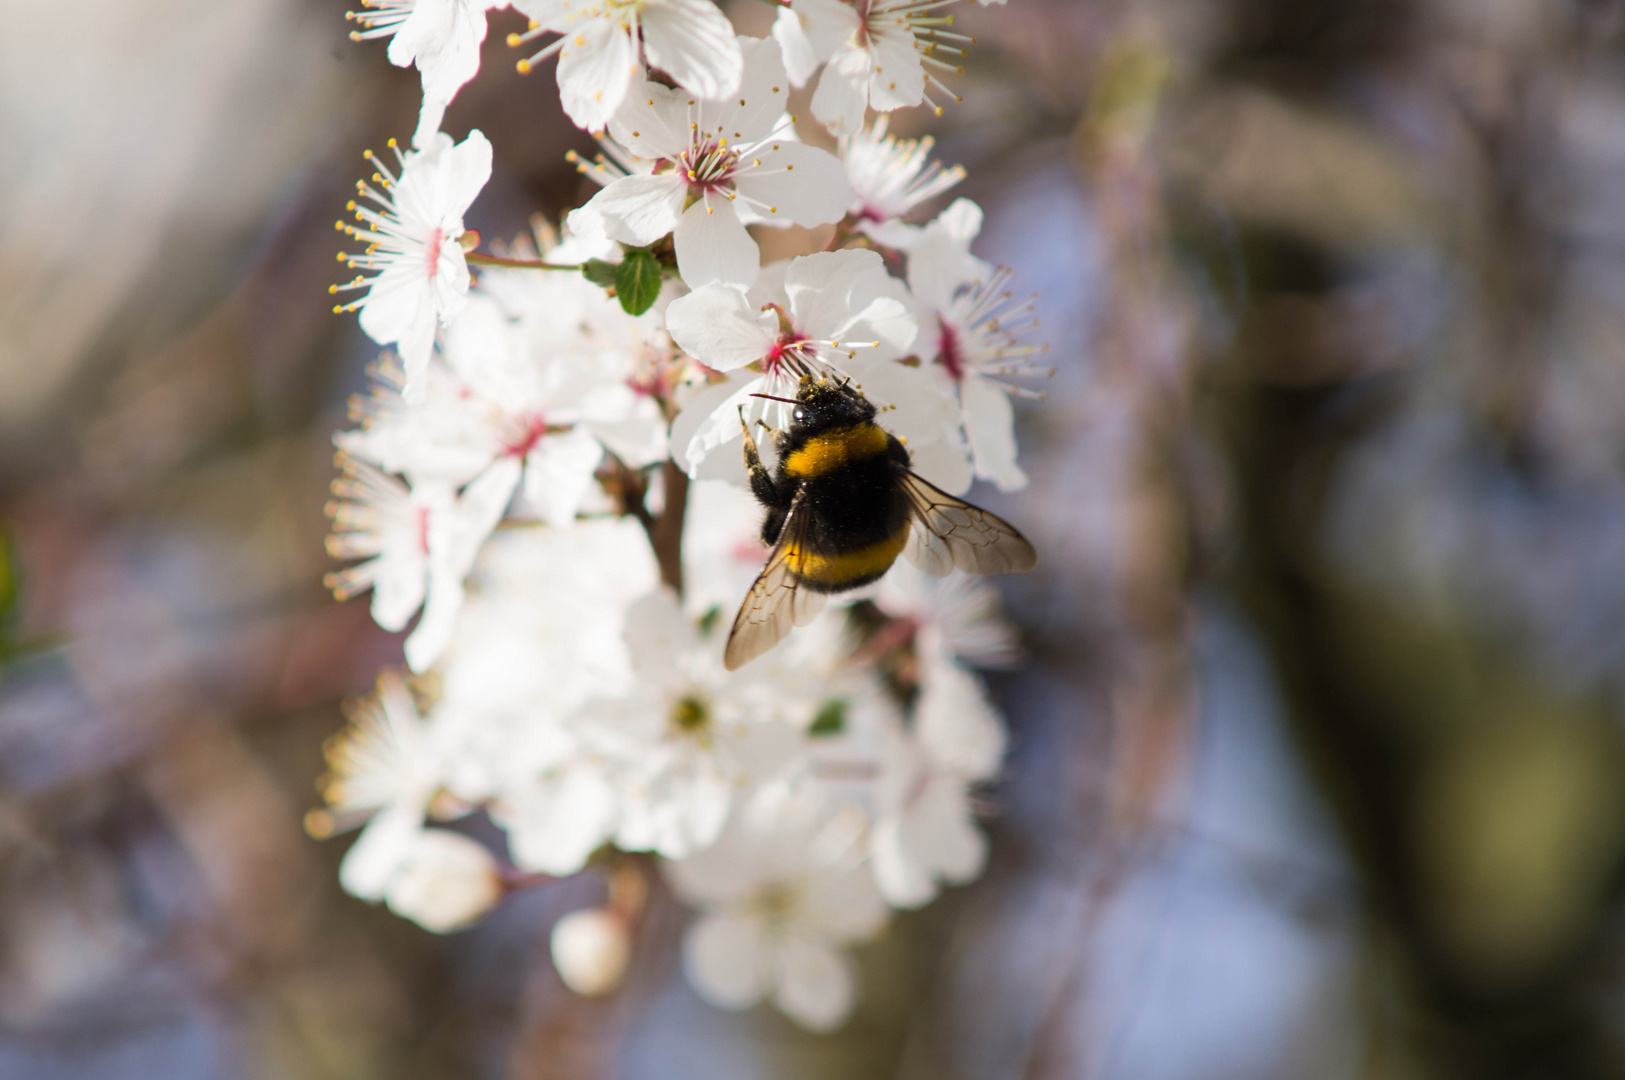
(772, 397)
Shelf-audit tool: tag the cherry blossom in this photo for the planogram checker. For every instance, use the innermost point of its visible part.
(925, 831)
(709, 155)
(412, 230)
(889, 62)
(781, 895)
(830, 306)
(891, 177)
(690, 40)
(417, 541)
(977, 341)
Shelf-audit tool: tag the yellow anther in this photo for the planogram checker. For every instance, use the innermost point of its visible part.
(514, 40)
(523, 67)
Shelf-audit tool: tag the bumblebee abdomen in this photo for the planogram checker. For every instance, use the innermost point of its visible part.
(832, 571)
(817, 455)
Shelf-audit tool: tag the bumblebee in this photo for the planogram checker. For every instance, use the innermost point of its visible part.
(842, 504)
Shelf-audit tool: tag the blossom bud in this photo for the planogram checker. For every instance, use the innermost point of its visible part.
(445, 883)
(591, 950)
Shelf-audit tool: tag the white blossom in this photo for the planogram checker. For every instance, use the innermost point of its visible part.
(417, 540)
(690, 40)
(412, 232)
(888, 62)
(526, 403)
(781, 897)
(954, 618)
(977, 340)
(829, 306)
(445, 882)
(708, 155)
(592, 949)
(925, 831)
(692, 737)
(383, 770)
(542, 633)
(891, 177)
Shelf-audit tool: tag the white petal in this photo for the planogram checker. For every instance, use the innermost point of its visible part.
(759, 106)
(843, 92)
(559, 473)
(716, 325)
(711, 421)
(956, 725)
(446, 882)
(712, 245)
(455, 58)
(554, 832)
(809, 32)
(806, 185)
(726, 959)
(940, 830)
(990, 427)
(817, 985)
(694, 43)
(941, 261)
(379, 852)
(899, 875)
(898, 80)
(945, 463)
(821, 288)
(596, 67)
(637, 210)
(653, 123)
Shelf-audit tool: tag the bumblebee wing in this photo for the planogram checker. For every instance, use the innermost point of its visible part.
(776, 602)
(949, 532)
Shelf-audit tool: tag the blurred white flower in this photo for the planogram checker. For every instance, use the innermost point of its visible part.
(412, 235)
(887, 63)
(953, 618)
(925, 829)
(542, 634)
(445, 882)
(441, 36)
(591, 950)
(781, 896)
(418, 542)
(830, 305)
(710, 154)
(690, 40)
(891, 177)
(691, 735)
(384, 767)
(977, 338)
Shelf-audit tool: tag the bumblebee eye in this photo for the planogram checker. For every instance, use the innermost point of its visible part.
(799, 415)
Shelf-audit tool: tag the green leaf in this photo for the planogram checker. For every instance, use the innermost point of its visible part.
(831, 719)
(637, 281)
(600, 272)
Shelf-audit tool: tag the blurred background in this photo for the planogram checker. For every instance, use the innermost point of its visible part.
(1319, 762)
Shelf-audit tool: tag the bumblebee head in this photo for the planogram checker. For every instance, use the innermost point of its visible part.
(823, 403)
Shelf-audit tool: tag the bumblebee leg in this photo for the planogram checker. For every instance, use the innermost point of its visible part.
(761, 481)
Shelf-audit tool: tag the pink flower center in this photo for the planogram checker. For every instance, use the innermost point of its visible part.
(423, 530)
(437, 240)
(951, 353)
(528, 433)
(788, 345)
(708, 167)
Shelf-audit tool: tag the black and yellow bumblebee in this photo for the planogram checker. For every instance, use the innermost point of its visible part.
(842, 504)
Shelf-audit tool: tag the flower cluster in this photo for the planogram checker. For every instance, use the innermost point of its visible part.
(546, 475)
